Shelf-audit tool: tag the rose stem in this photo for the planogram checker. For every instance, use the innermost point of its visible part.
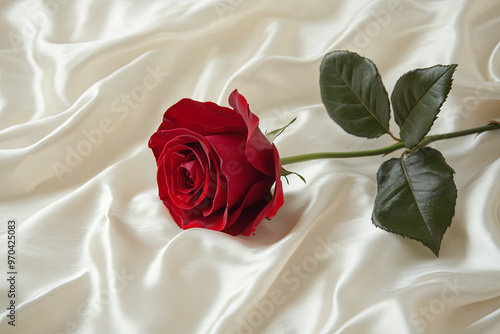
(385, 150)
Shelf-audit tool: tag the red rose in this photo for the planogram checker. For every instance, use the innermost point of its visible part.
(215, 167)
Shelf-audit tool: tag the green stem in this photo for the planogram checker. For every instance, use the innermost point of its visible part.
(385, 150)
(336, 155)
(429, 139)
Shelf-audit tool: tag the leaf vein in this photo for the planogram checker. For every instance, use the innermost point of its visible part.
(407, 177)
(359, 98)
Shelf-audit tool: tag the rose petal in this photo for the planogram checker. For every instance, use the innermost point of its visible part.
(247, 212)
(192, 218)
(161, 177)
(204, 118)
(258, 149)
(247, 219)
(239, 173)
(245, 227)
(177, 197)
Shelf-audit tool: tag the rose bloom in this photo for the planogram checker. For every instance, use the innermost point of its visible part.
(215, 167)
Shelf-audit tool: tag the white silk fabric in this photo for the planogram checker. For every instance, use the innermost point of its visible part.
(84, 84)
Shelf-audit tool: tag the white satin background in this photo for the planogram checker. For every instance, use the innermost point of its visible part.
(83, 85)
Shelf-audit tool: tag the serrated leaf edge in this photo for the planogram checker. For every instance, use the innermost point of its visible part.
(452, 67)
(436, 249)
(378, 76)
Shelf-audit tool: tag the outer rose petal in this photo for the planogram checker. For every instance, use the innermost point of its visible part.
(204, 118)
(268, 211)
(239, 173)
(259, 150)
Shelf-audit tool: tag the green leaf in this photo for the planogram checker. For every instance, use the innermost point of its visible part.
(285, 173)
(417, 99)
(271, 135)
(416, 197)
(354, 95)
